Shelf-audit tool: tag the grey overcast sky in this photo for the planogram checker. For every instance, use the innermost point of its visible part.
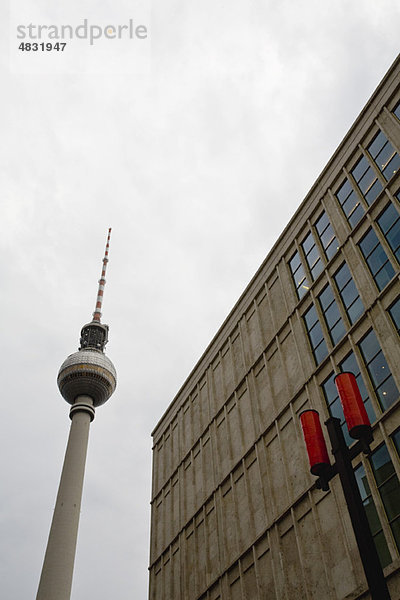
(196, 146)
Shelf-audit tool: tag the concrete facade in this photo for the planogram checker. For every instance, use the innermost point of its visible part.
(235, 512)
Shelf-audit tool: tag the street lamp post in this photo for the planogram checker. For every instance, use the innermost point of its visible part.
(360, 429)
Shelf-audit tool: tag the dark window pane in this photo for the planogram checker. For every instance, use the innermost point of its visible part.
(322, 223)
(370, 346)
(381, 464)
(317, 269)
(395, 313)
(295, 262)
(332, 248)
(383, 550)
(387, 218)
(384, 276)
(384, 156)
(312, 256)
(360, 169)
(326, 297)
(378, 143)
(392, 167)
(396, 531)
(396, 439)
(366, 180)
(373, 192)
(298, 274)
(332, 315)
(378, 370)
(355, 311)
(310, 317)
(388, 486)
(356, 215)
(390, 492)
(342, 276)
(389, 222)
(349, 293)
(320, 352)
(396, 110)
(393, 237)
(369, 242)
(387, 393)
(344, 191)
(308, 244)
(315, 335)
(350, 203)
(337, 332)
(326, 235)
(362, 482)
(372, 516)
(376, 258)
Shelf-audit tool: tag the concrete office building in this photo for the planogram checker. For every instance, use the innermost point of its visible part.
(235, 511)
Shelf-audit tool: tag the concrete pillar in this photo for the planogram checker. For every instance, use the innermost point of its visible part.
(56, 577)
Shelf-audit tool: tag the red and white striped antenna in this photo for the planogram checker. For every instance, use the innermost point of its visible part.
(102, 282)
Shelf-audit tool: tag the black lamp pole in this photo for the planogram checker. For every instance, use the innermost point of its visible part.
(366, 546)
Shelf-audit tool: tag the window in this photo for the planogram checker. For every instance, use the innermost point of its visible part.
(299, 276)
(377, 260)
(327, 236)
(332, 316)
(312, 256)
(372, 516)
(366, 179)
(350, 203)
(315, 335)
(384, 155)
(332, 398)
(348, 293)
(388, 488)
(394, 312)
(389, 222)
(396, 441)
(378, 369)
(396, 110)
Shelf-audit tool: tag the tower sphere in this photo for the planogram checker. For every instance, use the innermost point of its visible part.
(87, 373)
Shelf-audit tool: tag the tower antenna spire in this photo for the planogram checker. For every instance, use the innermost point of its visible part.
(102, 282)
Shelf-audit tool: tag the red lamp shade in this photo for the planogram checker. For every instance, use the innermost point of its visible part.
(353, 406)
(315, 442)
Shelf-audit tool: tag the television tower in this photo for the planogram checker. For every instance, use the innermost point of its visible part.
(86, 380)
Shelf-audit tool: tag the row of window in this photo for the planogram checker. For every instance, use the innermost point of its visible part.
(381, 270)
(315, 265)
(363, 180)
(353, 306)
(372, 250)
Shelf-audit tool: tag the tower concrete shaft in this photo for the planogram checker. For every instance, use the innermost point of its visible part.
(56, 578)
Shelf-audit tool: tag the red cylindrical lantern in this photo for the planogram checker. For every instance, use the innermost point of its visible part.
(315, 442)
(353, 406)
